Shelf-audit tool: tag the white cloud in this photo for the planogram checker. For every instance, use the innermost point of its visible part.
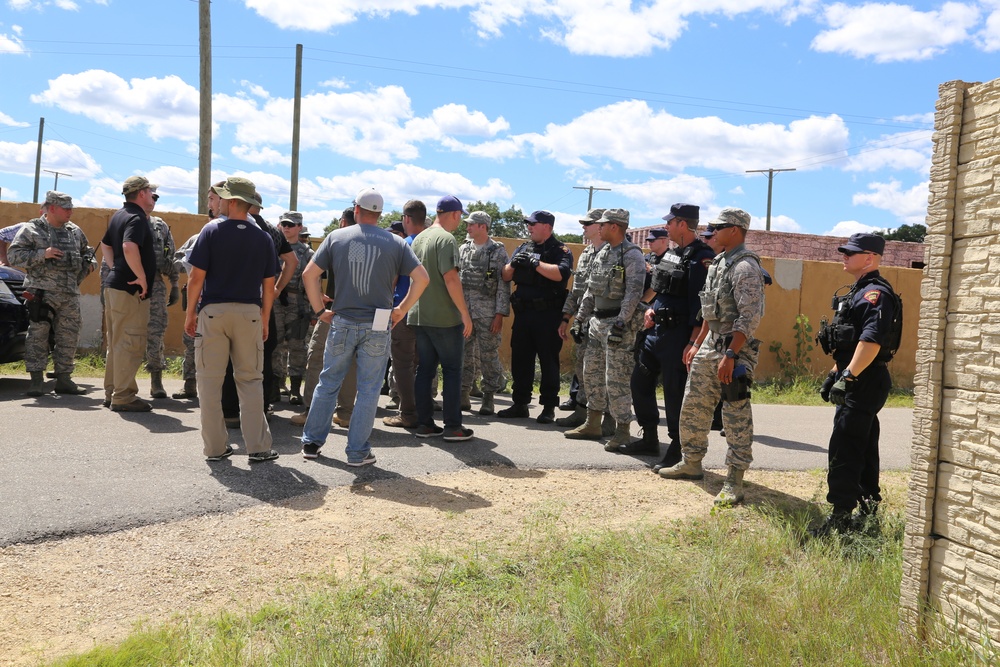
(338, 83)
(910, 206)
(779, 223)
(56, 155)
(456, 119)
(890, 32)
(68, 5)
(637, 137)
(906, 150)
(406, 181)
(23, 5)
(10, 122)
(988, 39)
(737, 191)
(593, 27)
(261, 155)
(11, 44)
(255, 89)
(165, 108)
(848, 227)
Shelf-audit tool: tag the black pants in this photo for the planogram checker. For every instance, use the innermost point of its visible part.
(854, 460)
(661, 359)
(535, 334)
(230, 400)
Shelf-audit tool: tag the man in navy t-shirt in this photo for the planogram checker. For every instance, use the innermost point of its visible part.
(230, 294)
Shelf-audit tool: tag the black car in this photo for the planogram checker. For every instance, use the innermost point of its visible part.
(13, 315)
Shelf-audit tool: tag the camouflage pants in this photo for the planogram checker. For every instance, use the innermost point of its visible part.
(293, 340)
(609, 367)
(702, 394)
(157, 326)
(189, 367)
(66, 322)
(483, 347)
(581, 354)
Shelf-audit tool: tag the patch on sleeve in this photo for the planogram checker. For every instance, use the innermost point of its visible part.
(871, 296)
(707, 262)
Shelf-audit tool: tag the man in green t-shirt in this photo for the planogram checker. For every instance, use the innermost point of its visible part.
(442, 323)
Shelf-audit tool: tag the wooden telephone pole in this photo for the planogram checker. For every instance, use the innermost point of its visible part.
(770, 180)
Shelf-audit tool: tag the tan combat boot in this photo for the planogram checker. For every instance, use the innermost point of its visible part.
(156, 389)
(37, 386)
(578, 417)
(64, 385)
(732, 489)
(466, 401)
(190, 390)
(608, 426)
(487, 407)
(590, 430)
(623, 436)
(686, 469)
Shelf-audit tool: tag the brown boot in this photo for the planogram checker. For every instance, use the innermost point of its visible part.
(591, 430)
(578, 417)
(608, 426)
(466, 400)
(37, 386)
(156, 389)
(190, 390)
(486, 408)
(64, 385)
(623, 436)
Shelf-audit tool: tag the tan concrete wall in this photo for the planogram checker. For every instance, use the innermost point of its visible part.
(799, 287)
(952, 542)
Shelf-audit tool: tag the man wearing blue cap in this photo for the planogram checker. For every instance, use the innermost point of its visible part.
(673, 323)
(540, 267)
(441, 322)
(862, 338)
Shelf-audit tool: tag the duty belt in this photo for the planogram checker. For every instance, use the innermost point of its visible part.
(536, 304)
(604, 313)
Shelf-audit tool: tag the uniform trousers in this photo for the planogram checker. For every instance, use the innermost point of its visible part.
(853, 473)
(126, 323)
(231, 334)
(535, 334)
(65, 333)
(701, 396)
(404, 368)
(607, 369)
(155, 360)
(661, 360)
(482, 353)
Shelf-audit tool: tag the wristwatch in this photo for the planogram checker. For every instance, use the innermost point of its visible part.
(848, 375)
(730, 354)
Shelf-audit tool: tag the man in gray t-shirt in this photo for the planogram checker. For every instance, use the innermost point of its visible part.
(364, 261)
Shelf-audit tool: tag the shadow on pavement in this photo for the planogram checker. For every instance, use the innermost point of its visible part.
(269, 482)
(781, 443)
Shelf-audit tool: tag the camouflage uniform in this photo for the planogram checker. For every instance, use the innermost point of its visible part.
(180, 262)
(163, 246)
(580, 278)
(614, 288)
(486, 295)
(732, 300)
(59, 280)
(292, 314)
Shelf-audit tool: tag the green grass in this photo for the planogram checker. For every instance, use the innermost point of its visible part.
(742, 587)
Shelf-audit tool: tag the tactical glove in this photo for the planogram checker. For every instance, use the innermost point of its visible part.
(824, 391)
(842, 387)
(617, 333)
(576, 331)
(175, 294)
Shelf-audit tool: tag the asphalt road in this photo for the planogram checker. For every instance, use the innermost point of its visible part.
(73, 467)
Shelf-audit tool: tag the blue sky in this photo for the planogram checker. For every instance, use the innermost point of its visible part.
(518, 101)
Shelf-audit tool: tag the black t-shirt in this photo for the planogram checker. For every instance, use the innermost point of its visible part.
(130, 224)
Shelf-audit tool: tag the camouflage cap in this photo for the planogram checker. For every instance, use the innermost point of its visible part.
(619, 216)
(60, 199)
(291, 216)
(593, 215)
(237, 188)
(732, 216)
(479, 218)
(136, 183)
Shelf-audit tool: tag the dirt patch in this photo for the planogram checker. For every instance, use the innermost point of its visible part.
(69, 595)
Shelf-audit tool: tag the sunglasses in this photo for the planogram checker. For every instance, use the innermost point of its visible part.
(156, 197)
(290, 224)
(852, 253)
(717, 228)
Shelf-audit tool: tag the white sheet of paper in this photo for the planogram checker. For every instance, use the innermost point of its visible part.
(381, 321)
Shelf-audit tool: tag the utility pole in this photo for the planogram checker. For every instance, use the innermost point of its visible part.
(770, 181)
(204, 104)
(38, 156)
(58, 174)
(293, 196)
(590, 195)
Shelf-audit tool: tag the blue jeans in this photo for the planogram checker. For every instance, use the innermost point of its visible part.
(444, 346)
(349, 340)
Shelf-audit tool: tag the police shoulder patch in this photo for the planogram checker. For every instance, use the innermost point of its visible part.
(707, 262)
(871, 296)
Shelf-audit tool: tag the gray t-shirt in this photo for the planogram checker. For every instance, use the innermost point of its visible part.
(364, 261)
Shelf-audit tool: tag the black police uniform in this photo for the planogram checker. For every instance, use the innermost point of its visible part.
(868, 311)
(677, 277)
(537, 303)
